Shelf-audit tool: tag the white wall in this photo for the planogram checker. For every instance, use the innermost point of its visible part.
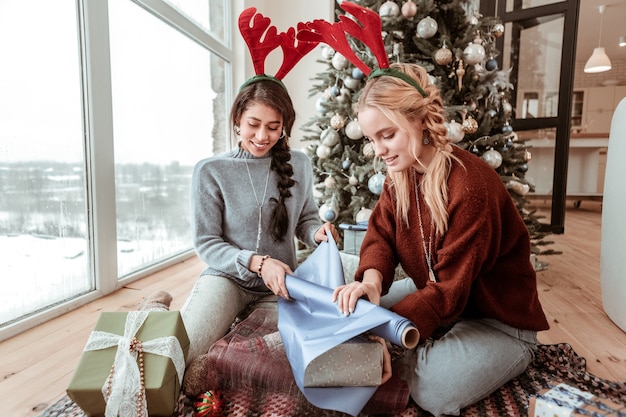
(285, 14)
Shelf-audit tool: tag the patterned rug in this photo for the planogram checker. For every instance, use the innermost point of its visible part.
(553, 364)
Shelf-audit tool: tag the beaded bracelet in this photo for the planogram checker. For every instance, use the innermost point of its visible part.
(258, 271)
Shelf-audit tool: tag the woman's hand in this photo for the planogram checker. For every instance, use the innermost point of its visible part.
(347, 295)
(273, 274)
(320, 235)
(387, 371)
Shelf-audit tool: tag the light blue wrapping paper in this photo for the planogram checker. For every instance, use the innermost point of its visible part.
(310, 324)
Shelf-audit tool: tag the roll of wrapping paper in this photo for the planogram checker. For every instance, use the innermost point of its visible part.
(311, 324)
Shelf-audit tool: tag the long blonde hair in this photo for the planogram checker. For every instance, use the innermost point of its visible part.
(405, 105)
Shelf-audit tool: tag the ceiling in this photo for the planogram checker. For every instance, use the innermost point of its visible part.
(613, 27)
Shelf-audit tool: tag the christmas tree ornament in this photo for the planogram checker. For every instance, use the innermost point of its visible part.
(518, 187)
(375, 183)
(528, 155)
(337, 121)
(389, 9)
(329, 137)
(343, 98)
(473, 54)
(472, 20)
(346, 164)
(334, 91)
(368, 150)
(433, 80)
(339, 62)
(351, 83)
(321, 105)
(327, 212)
(455, 131)
(443, 55)
(507, 128)
(357, 74)
(427, 27)
(363, 215)
(498, 30)
(327, 52)
(470, 125)
(493, 158)
(409, 9)
(460, 72)
(323, 151)
(506, 107)
(353, 130)
(353, 180)
(210, 404)
(330, 182)
(491, 64)
(522, 168)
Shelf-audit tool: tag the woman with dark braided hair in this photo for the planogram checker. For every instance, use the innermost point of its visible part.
(447, 218)
(248, 206)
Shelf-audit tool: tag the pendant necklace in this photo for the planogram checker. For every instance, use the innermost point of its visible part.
(427, 252)
(259, 203)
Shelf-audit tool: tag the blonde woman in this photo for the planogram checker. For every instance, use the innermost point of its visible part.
(446, 217)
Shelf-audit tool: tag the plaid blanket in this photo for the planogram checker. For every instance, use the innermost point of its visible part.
(251, 359)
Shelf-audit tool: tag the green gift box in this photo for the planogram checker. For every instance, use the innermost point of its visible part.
(161, 376)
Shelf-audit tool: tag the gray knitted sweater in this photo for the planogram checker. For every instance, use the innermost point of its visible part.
(225, 213)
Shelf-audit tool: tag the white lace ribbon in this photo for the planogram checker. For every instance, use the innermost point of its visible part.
(125, 384)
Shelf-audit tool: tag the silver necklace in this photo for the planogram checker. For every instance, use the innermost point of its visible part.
(259, 203)
(427, 252)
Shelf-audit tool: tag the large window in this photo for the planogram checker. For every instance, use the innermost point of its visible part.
(106, 107)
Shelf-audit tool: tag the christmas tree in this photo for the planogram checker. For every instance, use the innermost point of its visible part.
(457, 47)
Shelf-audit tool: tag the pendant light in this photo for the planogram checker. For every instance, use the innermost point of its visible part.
(599, 60)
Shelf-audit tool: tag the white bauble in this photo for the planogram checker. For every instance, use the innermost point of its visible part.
(339, 62)
(375, 183)
(427, 27)
(493, 158)
(518, 187)
(337, 121)
(353, 130)
(320, 105)
(368, 150)
(455, 131)
(330, 182)
(329, 137)
(389, 9)
(473, 54)
(327, 213)
(353, 180)
(323, 151)
(351, 83)
(363, 215)
(327, 52)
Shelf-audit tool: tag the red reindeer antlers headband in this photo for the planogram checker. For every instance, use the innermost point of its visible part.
(368, 30)
(262, 39)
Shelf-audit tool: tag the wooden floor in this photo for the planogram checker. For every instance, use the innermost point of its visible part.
(37, 365)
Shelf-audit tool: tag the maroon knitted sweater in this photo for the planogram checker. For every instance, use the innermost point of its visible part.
(482, 263)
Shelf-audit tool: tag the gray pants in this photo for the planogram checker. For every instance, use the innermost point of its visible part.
(211, 308)
(472, 360)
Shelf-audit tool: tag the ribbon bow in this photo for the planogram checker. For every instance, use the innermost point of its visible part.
(124, 386)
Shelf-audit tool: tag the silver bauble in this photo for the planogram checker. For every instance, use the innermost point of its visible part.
(323, 151)
(427, 27)
(493, 158)
(353, 130)
(455, 131)
(329, 137)
(389, 9)
(473, 54)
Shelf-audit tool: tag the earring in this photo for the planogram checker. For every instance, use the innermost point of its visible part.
(426, 138)
(237, 130)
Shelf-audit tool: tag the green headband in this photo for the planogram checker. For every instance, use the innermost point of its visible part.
(261, 77)
(393, 72)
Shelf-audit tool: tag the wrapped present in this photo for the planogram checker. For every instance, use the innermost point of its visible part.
(132, 365)
(353, 237)
(355, 363)
(564, 400)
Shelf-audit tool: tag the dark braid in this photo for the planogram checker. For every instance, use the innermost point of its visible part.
(280, 163)
(276, 96)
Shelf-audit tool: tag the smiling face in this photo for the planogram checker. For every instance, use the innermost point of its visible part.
(394, 144)
(261, 127)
